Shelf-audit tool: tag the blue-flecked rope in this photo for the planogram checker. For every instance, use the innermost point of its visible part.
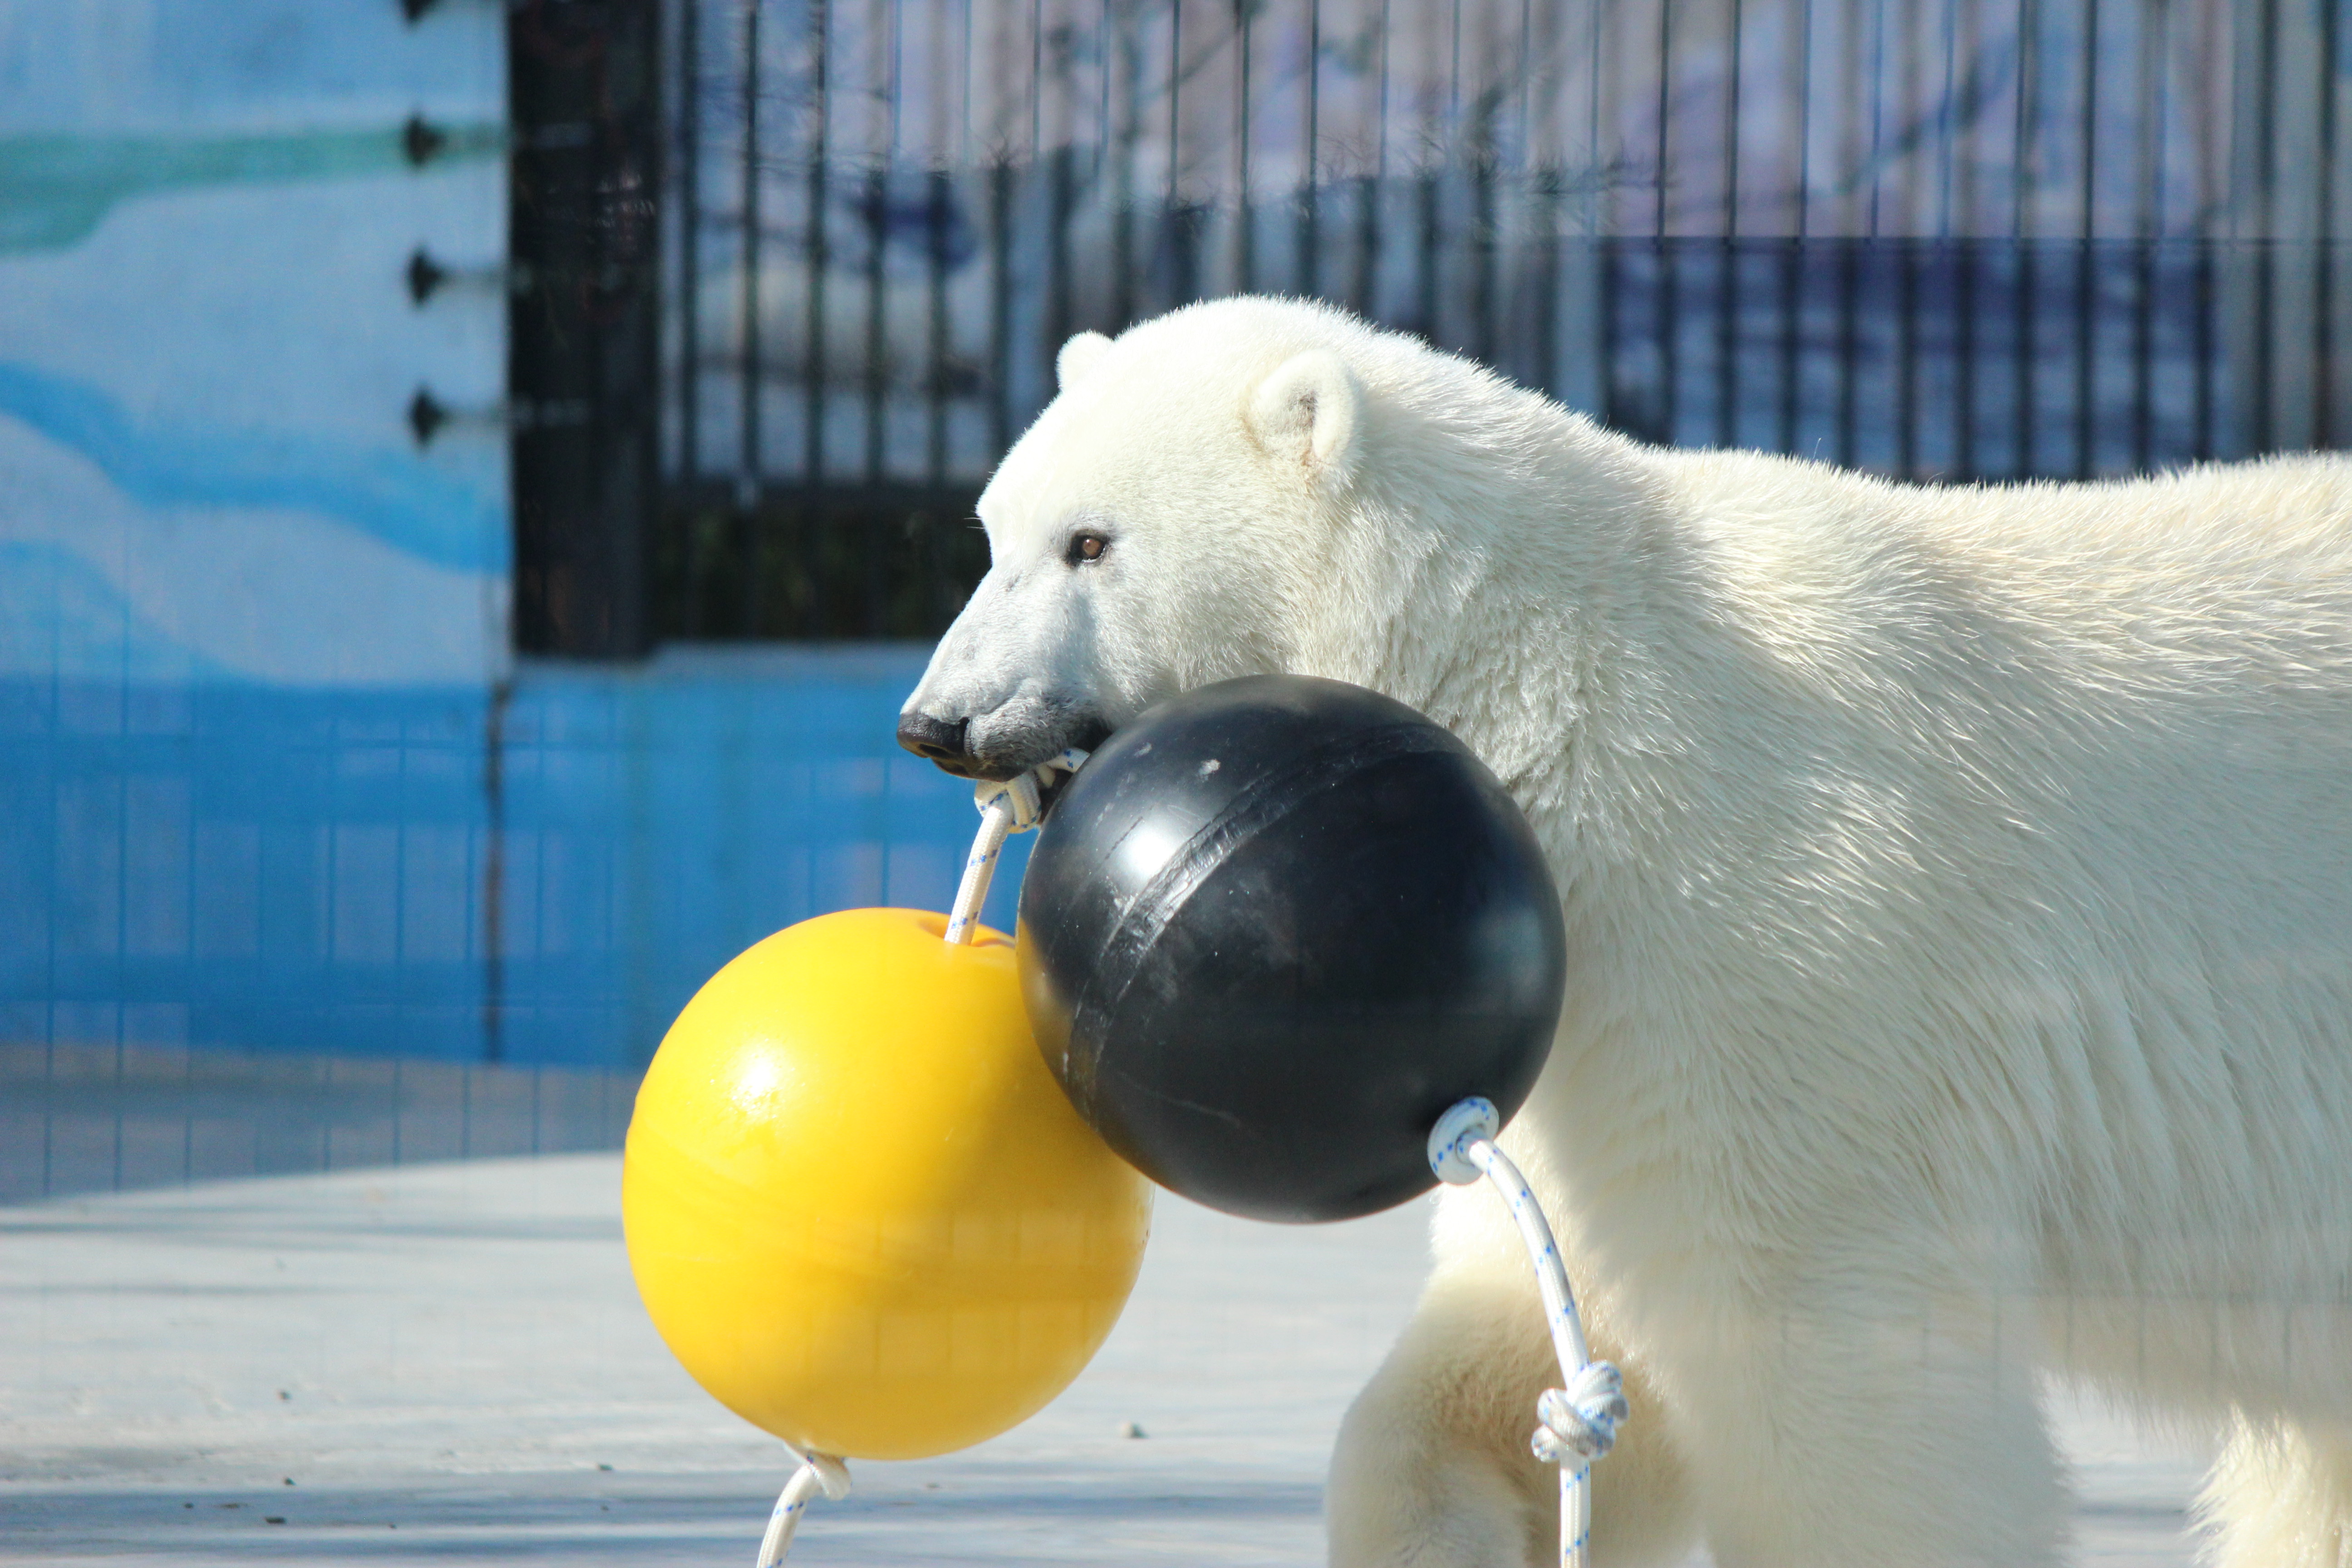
(817, 1473)
(1578, 1423)
(1014, 806)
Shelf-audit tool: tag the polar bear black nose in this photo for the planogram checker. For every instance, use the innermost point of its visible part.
(936, 738)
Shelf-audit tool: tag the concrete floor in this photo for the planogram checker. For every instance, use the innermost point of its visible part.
(448, 1363)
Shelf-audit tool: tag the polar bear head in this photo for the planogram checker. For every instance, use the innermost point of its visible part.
(1161, 526)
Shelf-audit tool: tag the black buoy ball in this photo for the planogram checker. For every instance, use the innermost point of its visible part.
(1272, 929)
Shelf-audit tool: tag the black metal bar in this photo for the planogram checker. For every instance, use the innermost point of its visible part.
(936, 216)
(689, 199)
(1853, 252)
(1122, 211)
(585, 316)
(1668, 326)
(1909, 256)
(747, 415)
(2265, 111)
(1245, 213)
(820, 250)
(1545, 328)
(685, 539)
(2085, 278)
(877, 325)
(1183, 283)
(1792, 264)
(2327, 253)
(1727, 365)
(1849, 276)
(878, 340)
(745, 521)
(1425, 297)
(1000, 304)
(1482, 246)
(1958, 256)
(1058, 319)
(2206, 342)
(1368, 212)
(1533, 363)
(2149, 225)
(1609, 286)
(2023, 301)
(1965, 261)
(1310, 227)
(1907, 355)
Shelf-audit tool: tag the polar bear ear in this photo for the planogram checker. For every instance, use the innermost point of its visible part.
(1305, 413)
(1080, 356)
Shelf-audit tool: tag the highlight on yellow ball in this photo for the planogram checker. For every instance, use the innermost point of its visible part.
(859, 1209)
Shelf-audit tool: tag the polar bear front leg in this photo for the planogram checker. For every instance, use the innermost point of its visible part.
(1889, 1428)
(2281, 1496)
(1433, 1467)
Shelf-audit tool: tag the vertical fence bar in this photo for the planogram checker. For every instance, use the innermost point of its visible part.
(1901, 247)
(1906, 247)
(2085, 281)
(818, 251)
(1726, 306)
(999, 302)
(2265, 111)
(1183, 283)
(1369, 189)
(874, 552)
(1310, 225)
(1060, 178)
(2327, 250)
(689, 196)
(2148, 227)
(1245, 231)
(2025, 273)
(1666, 327)
(1961, 233)
(1116, 44)
(938, 192)
(747, 462)
(1792, 261)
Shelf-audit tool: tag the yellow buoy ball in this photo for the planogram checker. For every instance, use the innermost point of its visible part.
(859, 1208)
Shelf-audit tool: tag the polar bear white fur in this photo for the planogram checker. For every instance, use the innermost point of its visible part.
(1958, 890)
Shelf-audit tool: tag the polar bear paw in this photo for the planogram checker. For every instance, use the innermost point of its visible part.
(1578, 1423)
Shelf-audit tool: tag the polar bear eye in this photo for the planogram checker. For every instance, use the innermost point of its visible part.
(1086, 547)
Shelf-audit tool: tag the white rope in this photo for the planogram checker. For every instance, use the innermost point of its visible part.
(1014, 806)
(1578, 1423)
(817, 1473)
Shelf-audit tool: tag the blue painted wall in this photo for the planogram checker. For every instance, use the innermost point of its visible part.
(270, 778)
(541, 873)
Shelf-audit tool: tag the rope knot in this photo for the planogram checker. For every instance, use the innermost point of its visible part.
(1014, 806)
(1017, 797)
(1580, 1422)
(1022, 796)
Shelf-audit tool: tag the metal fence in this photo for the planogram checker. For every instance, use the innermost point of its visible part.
(1943, 239)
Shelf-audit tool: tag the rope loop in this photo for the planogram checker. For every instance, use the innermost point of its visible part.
(1578, 1423)
(1018, 797)
(1006, 806)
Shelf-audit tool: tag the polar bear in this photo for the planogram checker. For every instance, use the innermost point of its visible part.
(1959, 897)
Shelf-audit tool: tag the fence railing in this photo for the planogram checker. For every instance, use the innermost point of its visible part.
(1944, 240)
